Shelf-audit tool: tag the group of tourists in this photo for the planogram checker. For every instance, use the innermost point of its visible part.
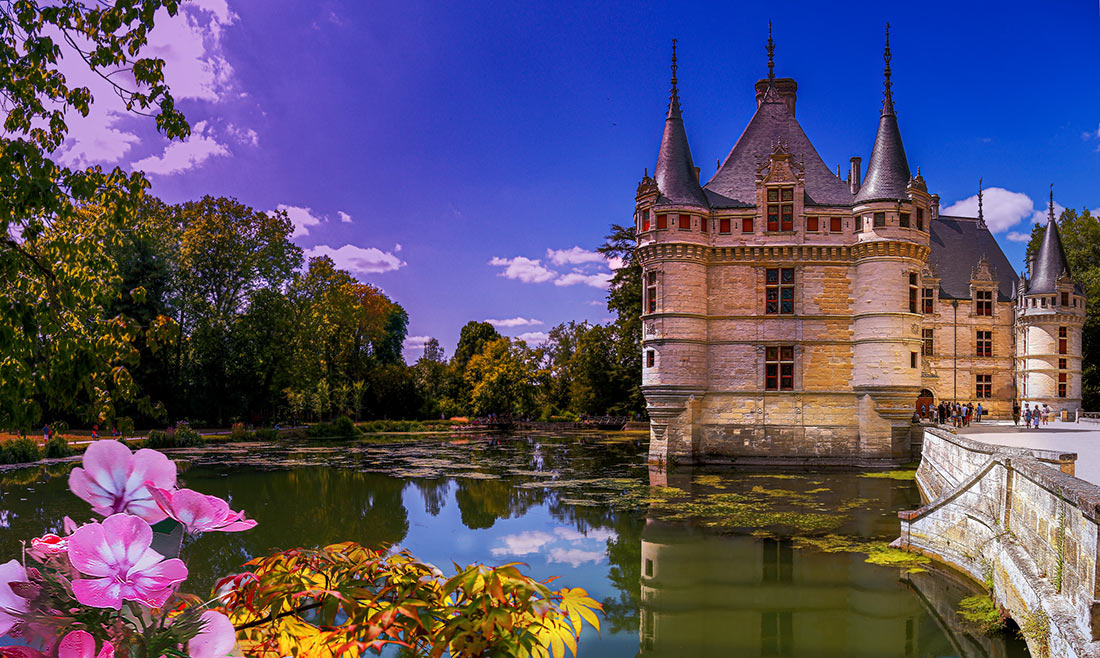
(1032, 416)
(955, 413)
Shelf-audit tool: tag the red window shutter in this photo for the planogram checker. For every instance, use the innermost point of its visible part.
(724, 225)
(662, 222)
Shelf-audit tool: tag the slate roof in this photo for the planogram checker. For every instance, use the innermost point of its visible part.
(734, 184)
(958, 243)
(1049, 263)
(675, 171)
(888, 171)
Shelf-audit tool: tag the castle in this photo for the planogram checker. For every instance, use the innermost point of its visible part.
(791, 315)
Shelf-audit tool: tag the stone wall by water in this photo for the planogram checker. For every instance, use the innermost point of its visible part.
(1019, 519)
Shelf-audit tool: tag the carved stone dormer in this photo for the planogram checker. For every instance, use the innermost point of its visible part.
(780, 167)
(983, 273)
(646, 187)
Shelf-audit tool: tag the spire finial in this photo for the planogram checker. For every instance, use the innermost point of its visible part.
(981, 216)
(888, 100)
(771, 55)
(1050, 212)
(674, 93)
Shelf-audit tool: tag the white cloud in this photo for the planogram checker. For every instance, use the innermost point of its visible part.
(397, 247)
(595, 534)
(346, 219)
(600, 280)
(1016, 236)
(1088, 134)
(524, 543)
(246, 136)
(524, 269)
(302, 218)
(573, 256)
(1002, 208)
(533, 337)
(1041, 215)
(181, 156)
(370, 260)
(514, 322)
(575, 557)
(416, 342)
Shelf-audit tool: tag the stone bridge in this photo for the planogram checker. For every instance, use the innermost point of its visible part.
(1017, 519)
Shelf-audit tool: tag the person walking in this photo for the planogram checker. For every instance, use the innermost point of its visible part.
(1016, 413)
(978, 413)
(1027, 416)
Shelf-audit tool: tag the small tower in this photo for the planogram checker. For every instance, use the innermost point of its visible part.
(1050, 313)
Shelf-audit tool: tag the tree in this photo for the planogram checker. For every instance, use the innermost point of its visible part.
(624, 298)
(499, 379)
(59, 346)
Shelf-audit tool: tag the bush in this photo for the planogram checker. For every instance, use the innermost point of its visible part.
(266, 434)
(238, 433)
(59, 427)
(186, 437)
(126, 426)
(375, 426)
(159, 439)
(57, 447)
(19, 451)
(342, 427)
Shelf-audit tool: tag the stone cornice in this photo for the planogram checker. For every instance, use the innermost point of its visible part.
(840, 254)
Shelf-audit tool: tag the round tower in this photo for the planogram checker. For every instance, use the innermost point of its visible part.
(1050, 313)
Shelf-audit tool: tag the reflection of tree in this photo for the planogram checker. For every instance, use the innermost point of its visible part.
(434, 494)
(482, 502)
(624, 552)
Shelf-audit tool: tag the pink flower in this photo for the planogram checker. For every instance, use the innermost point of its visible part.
(11, 604)
(216, 639)
(199, 512)
(113, 480)
(116, 554)
(81, 644)
(48, 545)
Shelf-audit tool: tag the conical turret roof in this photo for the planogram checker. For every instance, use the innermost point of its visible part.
(675, 173)
(1051, 261)
(888, 171)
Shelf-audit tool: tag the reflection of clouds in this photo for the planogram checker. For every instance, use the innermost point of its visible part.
(574, 557)
(523, 543)
(594, 534)
(5, 518)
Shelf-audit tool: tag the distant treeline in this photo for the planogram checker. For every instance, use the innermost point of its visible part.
(205, 311)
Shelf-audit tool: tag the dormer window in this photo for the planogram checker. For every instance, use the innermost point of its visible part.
(983, 303)
(780, 209)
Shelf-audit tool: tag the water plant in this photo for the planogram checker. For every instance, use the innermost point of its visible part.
(1035, 630)
(982, 614)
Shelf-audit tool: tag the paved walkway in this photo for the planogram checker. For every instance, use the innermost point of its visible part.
(1082, 438)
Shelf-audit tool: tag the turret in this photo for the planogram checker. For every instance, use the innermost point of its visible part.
(676, 175)
(888, 171)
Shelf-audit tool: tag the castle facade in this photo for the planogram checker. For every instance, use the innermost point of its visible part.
(792, 315)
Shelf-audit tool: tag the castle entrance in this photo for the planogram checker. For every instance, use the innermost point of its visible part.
(925, 397)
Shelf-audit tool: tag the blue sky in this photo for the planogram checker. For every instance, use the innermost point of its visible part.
(428, 146)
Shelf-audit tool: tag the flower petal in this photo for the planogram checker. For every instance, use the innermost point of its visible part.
(98, 592)
(77, 644)
(128, 537)
(216, 639)
(107, 466)
(10, 572)
(89, 553)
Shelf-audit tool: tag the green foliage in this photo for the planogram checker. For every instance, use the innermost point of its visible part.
(126, 426)
(348, 600)
(19, 451)
(181, 436)
(499, 379)
(341, 428)
(266, 434)
(380, 426)
(980, 613)
(57, 448)
(1035, 630)
(237, 432)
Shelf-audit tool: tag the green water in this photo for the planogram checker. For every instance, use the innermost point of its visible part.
(687, 563)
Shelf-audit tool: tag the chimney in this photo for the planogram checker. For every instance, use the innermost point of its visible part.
(787, 88)
(855, 176)
(935, 209)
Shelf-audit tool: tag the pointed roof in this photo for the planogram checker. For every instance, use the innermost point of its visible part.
(675, 171)
(888, 171)
(1051, 261)
(958, 243)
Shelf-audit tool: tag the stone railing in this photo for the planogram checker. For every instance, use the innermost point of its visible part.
(1088, 416)
(1018, 519)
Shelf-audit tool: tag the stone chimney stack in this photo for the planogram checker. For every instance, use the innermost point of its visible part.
(855, 175)
(786, 87)
(935, 209)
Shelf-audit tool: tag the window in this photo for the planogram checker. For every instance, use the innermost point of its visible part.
(650, 358)
(651, 292)
(1061, 364)
(920, 219)
(929, 345)
(703, 222)
(1062, 339)
(779, 290)
(645, 221)
(928, 299)
(1062, 384)
(913, 288)
(983, 387)
(984, 344)
(880, 219)
(835, 225)
(1065, 299)
(811, 224)
(779, 368)
(724, 225)
(776, 633)
(983, 302)
(778, 560)
(903, 220)
(912, 359)
(649, 568)
(746, 225)
(662, 222)
(685, 222)
(781, 209)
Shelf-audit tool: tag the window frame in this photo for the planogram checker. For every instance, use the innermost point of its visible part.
(683, 222)
(812, 224)
(662, 221)
(780, 290)
(651, 291)
(725, 225)
(779, 363)
(838, 222)
(928, 300)
(983, 343)
(1063, 340)
(878, 220)
(983, 386)
(903, 220)
(928, 342)
(748, 225)
(914, 292)
(983, 303)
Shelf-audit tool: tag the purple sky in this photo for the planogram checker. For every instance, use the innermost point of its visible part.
(467, 158)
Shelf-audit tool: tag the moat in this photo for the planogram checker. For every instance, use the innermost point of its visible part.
(702, 562)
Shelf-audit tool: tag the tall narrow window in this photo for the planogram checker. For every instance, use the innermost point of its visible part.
(913, 292)
(1065, 299)
(651, 292)
(746, 225)
(811, 224)
(650, 358)
(724, 225)
(786, 214)
(703, 222)
(984, 344)
(776, 633)
(1061, 364)
(983, 386)
(662, 222)
(779, 291)
(773, 209)
(920, 219)
(836, 225)
(880, 220)
(779, 368)
(983, 302)
(645, 221)
(685, 222)
(912, 359)
(778, 560)
(1062, 384)
(903, 220)
(928, 300)
(929, 346)
(1063, 339)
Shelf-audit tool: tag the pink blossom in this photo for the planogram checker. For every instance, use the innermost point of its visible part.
(116, 554)
(81, 644)
(199, 512)
(216, 639)
(113, 480)
(11, 604)
(48, 545)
